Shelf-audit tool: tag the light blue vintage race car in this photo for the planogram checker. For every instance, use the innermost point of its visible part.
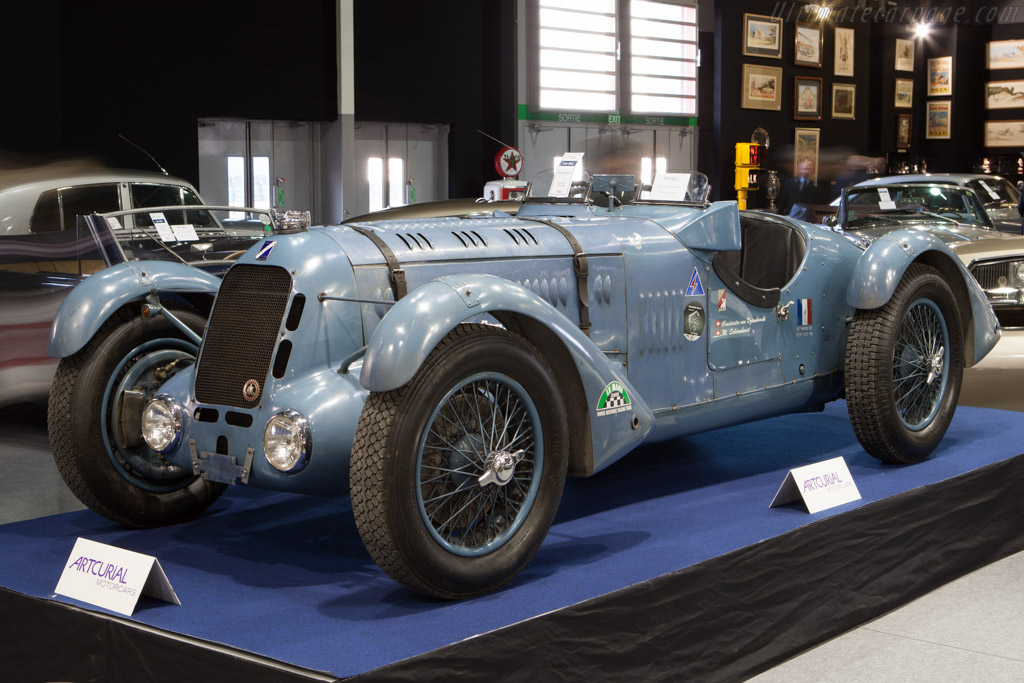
(449, 373)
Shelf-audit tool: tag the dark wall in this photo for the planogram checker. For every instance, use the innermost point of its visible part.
(735, 124)
(452, 63)
(149, 70)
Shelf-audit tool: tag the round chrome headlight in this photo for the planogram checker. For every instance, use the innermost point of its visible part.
(286, 442)
(161, 423)
(1018, 270)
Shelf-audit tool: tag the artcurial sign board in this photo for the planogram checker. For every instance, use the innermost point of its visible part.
(821, 486)
(112, 578)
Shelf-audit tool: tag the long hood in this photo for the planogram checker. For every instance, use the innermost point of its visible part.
(951, 234)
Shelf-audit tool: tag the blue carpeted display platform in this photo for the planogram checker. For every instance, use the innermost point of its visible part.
(286, 577)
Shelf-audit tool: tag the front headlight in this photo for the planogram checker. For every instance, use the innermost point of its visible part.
(1018, 270)
(286, 441)
(161, 423)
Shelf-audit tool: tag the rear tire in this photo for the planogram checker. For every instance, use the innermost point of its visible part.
(904, 366)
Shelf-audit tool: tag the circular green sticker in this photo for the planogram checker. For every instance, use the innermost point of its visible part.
(693, 321)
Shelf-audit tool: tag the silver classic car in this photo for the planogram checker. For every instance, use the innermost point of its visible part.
(449, 373)
(998, 195)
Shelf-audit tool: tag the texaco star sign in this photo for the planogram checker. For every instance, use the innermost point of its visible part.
(509, 162)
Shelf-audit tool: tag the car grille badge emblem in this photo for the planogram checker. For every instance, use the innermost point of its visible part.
(251, 390)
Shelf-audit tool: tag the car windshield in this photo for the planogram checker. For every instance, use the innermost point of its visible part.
(995, 191)
(895, 204)
(199, 237)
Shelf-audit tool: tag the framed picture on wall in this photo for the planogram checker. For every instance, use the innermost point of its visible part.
(904, 93)
(843, 100)
(808, 45)
(762, 87)
(903, 128)
(807, 98)
(904, 54)
(940, 76)
(806, 149)
(762, 36)
(844, 52)
(938, 124)
(1004, 133)
(1005, 54)
(1004, 94)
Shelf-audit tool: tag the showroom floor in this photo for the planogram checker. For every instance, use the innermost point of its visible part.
(970, 629)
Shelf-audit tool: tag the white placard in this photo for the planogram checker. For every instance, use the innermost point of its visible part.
(112, 578)
(561, 183)
(163, 230)
(669, 187)
(822, 485)
(114, 223)
(885, 202)
(184, 233)
(991, 193)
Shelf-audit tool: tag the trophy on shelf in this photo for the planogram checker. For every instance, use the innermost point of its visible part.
(771, 188)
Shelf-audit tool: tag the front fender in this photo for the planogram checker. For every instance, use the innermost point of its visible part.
(417, 323)
(882, 265)
(96, 298)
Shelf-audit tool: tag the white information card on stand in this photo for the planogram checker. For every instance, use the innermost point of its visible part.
(112, 578)
(561, 182)
(821, 486)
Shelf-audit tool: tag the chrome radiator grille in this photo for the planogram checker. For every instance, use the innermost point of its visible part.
(241, 335)
(988, 274)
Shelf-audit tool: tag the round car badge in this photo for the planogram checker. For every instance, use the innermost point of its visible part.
(693, 321)
(251, 390)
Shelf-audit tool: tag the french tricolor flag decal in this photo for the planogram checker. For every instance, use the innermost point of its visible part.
(803, 313)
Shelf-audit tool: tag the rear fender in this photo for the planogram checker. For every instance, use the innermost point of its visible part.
(881, 267)
(417, 323)
(95, 299)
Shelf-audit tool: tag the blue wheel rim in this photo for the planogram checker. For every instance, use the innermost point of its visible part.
(140, 465)
(484, 414)
(920, 368)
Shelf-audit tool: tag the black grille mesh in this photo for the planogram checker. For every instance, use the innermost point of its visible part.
(240, 337)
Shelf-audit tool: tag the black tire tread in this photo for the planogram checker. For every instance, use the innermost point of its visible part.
(869, 359)
(367, 487)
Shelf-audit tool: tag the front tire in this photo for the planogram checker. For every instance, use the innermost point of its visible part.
(904, 366)
(93, 415)
(456, 477)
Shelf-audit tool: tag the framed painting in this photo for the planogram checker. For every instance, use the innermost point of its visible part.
(762, 87)
(938, 124)
(807, 98)
(904, 54)
(904, 93)
(1004, 133)
(940, 76)
(762, 36)
(903, 128)
(844, 52)
(1004, 54)
(843, 100)
(1004, 94)
(808, 45)
(806, 149)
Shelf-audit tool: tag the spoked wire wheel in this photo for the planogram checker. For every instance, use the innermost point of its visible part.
(904, 365)
(479, 463)
(919, 364)
(455, 477)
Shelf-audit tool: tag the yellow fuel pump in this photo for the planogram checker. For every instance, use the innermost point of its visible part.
(748, 164)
